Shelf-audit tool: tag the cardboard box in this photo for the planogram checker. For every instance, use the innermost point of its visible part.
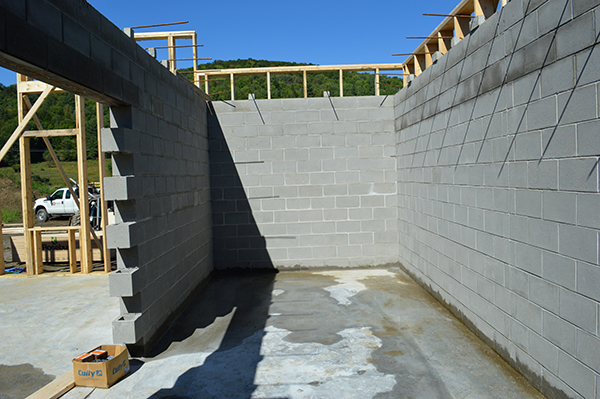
(102, 374)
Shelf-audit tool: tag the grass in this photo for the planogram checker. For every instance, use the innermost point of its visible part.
(11, 215)
(46, 178)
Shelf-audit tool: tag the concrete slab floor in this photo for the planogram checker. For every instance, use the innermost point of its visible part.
(45, 321)
(368, 333)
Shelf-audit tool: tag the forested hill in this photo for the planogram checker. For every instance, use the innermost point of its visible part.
(58, 111)
(290, 85)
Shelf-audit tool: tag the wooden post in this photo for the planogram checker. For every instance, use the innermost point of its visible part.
(2, 241)
(206, 86)
(377, 81)
(461, 27)
(268, 85)
(85, 245)
(72, 251)
(195, 55)
(26, 197)
(37, 244)
(172, 62)
(232, 83)
(102, 208)
(305, 84)
(341, 83)
(486, 8)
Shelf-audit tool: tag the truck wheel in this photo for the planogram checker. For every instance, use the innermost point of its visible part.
(75, 219)
(41, 215)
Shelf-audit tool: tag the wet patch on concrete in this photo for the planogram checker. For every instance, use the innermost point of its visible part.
(20, 381)
(344, 333)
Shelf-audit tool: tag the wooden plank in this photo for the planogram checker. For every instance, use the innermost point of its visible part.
(377, 92)
(1, 241)
(102, 172)
(268, 85)
(304, 82)
(85, 245)
(195, 55)
(341, 83)
(72, 252)
(232, 84)
(172, 54)
(35, 87)
(25, 121)
(50, 133)
(56, 228)
(56, 388)
(37, 246)
(141, 36)
(299, 69)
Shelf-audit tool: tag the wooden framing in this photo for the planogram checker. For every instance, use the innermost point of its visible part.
(171, 37)
(32, 235)
(206, 74)
(455, 26)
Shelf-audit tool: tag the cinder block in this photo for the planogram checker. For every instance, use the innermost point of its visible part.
(543, 234)
(578, 243)
(588, 350)
(120, 140)
(576, 375)
(577, 309)
(122, 188)
(529, 203)
(126, 328)
(579, 105)
(123, 235)
(126, 282)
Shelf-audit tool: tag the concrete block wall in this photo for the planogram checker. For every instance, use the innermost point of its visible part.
(498, 148)
(162, 232)
(159, 144)
(304, 189)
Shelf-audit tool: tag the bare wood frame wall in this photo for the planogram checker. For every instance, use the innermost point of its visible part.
(33, 235)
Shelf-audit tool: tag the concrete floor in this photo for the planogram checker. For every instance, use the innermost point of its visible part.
(330, 334)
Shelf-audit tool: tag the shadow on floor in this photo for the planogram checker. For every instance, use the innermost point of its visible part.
(244, 298)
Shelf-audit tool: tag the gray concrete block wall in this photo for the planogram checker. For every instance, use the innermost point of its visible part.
(160, 187)
(498, 184)
(159, 145)
(304, 189)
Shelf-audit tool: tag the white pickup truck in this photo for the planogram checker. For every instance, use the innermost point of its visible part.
(60, 203)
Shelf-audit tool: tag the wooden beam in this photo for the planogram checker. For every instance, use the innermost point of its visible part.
(141, 36)
(172, 56)
(299, 69)
(157, 25)
(35, 87)
(232, 86)
(341, 83)
(268, 85)
(72, 252)
(2, 241)
(25, 164)
(85, 245)
(377, 82)
(49, 133)
(56, 388)
(25, 121)
(37, 247)
(304, 84)
(102, 208)
(195, 55)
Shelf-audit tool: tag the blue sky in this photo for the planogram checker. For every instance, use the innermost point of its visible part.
(321, 32)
